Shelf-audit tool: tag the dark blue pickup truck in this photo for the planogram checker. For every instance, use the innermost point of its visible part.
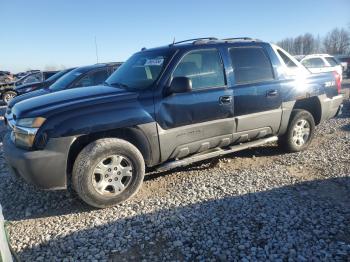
(163, 108)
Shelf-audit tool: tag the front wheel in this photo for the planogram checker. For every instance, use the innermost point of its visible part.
(8, 95)
(301, 130)
(107, 172)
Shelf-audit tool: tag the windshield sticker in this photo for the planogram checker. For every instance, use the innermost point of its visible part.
(154, 62)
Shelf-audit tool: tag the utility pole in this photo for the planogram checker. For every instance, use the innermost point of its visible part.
(96, 50)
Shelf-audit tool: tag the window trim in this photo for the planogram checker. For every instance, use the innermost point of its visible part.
(196, 50)
(251, 82)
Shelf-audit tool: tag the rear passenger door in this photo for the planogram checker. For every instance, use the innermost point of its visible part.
(257, 99)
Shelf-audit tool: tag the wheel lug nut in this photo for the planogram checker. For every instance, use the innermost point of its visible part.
(106, 175)
(115, 168)
(118, 173)
(109, 170)
(109, 180)
(116, 179)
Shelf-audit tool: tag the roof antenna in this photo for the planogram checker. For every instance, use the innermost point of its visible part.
(174, 40)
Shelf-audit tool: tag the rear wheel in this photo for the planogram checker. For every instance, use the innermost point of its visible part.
(300, 132)
(107, 172)
(8, 95)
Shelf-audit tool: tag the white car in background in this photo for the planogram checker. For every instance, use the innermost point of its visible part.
(319, 63)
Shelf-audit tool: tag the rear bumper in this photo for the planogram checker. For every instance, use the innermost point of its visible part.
(331, 107)
(45, 169)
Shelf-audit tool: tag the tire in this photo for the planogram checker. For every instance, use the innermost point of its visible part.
(8, 95)
(116, 160)
(292, 140)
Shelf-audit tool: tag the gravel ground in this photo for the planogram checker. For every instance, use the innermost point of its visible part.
(259, 204)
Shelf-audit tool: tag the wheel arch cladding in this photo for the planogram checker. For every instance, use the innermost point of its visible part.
(312, 105)
(134, 135)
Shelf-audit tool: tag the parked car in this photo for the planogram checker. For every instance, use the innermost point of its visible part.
(26, 88)
(319, 63)
(5, 77)
(163, 108)
(8, 90)
(345, 62)
(20, 75)
(79, 77)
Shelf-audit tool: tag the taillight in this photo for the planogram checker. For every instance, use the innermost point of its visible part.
(337, 81)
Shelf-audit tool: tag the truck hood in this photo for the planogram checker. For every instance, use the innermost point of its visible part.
(28, 95)
(68, 100)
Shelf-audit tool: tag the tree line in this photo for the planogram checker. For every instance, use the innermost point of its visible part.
(335, 42)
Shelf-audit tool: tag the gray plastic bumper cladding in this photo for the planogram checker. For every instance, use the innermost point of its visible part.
(330, 106)
(46, 169)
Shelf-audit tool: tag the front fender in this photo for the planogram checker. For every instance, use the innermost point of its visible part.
(96, 118)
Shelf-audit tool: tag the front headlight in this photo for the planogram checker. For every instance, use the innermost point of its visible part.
(25, 130)
(30, 122)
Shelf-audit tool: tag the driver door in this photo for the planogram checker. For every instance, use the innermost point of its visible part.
(200, 119)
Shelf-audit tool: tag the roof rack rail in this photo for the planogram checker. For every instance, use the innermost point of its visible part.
(241, 38)
(193, 39)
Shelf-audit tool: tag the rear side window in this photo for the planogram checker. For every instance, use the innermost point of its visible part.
(313, 62)
(331, 61)
(203, 67)
(250, 65)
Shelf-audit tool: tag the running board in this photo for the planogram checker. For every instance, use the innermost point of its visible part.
(216, 152)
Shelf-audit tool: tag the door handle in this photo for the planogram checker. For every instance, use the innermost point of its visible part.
(225, 99)
(273, 92)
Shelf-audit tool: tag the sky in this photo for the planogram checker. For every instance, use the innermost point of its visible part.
(39, 34)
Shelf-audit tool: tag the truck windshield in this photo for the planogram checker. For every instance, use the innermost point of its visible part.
(141, 70)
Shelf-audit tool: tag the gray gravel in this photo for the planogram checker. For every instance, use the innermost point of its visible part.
(259, 204)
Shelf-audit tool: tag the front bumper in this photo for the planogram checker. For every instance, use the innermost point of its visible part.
(46, 168)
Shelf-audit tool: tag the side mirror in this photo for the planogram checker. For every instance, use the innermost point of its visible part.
(180, 84)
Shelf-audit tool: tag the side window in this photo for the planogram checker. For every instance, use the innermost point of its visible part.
(313, 62)
(331, 61)
(203, 67)
(93, 78)
(289, 63)
(250, 65)
(33, 78)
